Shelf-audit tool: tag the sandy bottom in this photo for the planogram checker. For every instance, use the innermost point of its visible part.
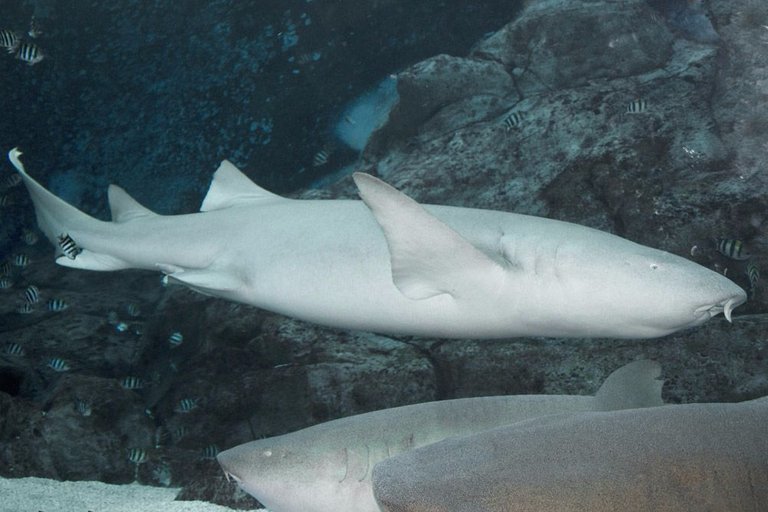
(42, 495)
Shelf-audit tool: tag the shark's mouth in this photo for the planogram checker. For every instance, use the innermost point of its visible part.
(231, 477)
(725, 307)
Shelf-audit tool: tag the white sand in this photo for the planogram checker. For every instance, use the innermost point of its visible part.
(40, 494)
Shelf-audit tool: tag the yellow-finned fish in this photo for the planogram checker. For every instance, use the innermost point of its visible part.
(733, 249)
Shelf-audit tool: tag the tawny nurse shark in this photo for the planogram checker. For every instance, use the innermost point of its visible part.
(328, 467)
(390, 265)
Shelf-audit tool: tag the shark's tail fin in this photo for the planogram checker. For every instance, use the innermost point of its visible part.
(69, 229)
(632, 386)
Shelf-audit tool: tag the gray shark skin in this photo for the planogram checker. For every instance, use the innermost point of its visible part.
(675, 458)
(390, 265)
(328, 467)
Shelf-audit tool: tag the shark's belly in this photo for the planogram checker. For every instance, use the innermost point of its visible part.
(332, 266)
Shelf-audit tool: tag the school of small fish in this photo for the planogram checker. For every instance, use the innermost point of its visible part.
(25, 51)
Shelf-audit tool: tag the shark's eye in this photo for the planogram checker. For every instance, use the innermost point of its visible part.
(267, 453)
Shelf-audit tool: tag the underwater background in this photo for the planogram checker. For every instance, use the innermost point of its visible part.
(644, 118)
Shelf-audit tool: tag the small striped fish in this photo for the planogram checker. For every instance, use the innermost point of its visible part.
(514, 120)
(29, 53)
(210, 452)
(4, 201)
(30, 237)
(58, 364)
(639, 106)
(132, 383)
(176, 339)
(83, 407)
(753, 274)
(6, 268)
(121, 326)
(5, 283)
(68, 246)
(34, 29)
(14, 349)
(138, 455)
(21, 260)
(57, 305)
(161, 436)
(11, 180)
(32, 294)
(321, 158)
(133, 309)
(9, 40)
(186, 405)
(734, 249)
(24, 309)
(180, 433)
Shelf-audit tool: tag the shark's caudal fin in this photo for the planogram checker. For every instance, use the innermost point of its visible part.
(66, 226)
(632, 386)
(55, 217)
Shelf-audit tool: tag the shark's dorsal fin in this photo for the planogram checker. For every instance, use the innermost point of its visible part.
(230, 187)
(632, 386)
(428, 257)
(124, 207)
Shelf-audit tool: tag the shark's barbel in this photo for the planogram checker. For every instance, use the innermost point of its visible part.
(390, 265)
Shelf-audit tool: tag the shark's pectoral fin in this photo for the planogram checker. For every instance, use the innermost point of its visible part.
(206, 281)
(428, 257)
(230, 187)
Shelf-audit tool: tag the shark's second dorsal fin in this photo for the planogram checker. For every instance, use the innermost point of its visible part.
(124, 207)
(632, 386)
(427, 256)
(230, 187)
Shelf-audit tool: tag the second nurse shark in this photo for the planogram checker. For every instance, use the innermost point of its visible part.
(390, 265)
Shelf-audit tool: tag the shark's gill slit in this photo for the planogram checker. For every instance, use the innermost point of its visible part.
(346, 465)
(367, 462)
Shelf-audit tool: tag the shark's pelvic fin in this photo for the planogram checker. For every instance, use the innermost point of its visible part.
(55, 217)
(632, 386)
(125, 208)
(206, 281)
(230, 187)
(428, 258)
(90, 260)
